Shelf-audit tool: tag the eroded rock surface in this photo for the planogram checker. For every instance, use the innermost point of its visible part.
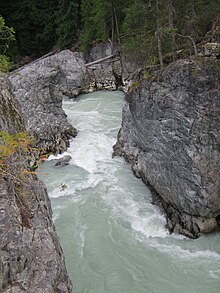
(31, 259)
(171, 134)
(39, 88)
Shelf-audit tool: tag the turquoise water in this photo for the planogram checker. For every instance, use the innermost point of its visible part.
(113, 238)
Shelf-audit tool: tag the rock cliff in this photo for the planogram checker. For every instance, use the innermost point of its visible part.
(39, 88)
(31, 258)
(171, 134)
(105, 75)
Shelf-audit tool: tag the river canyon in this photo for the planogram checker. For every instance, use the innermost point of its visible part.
(114, 239)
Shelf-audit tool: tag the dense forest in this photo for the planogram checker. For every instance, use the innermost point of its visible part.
(153, 29)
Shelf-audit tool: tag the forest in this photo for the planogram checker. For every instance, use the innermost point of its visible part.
(152, 30)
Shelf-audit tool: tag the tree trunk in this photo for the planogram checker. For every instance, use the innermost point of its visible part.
(113, 22)
(171, 26)
(116, 22)
(159, 35)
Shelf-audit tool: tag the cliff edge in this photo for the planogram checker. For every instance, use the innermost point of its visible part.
(31, 258)
(171, 134)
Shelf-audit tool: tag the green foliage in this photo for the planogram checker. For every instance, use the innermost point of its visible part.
(6, 37)
(5, 63)
(14, 151)
(191, 21)
(94, 16)
(33, 21)
(67, 20)
(42, 24)
(139, 30)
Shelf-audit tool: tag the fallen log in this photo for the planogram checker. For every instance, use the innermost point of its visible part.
(100, 60)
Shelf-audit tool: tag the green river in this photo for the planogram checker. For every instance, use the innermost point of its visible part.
(113, 238)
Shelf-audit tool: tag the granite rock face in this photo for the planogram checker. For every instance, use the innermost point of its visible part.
(39, 88)
(31, 259)
(171, 134)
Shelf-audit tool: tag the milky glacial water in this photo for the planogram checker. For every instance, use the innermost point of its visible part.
(113, 238)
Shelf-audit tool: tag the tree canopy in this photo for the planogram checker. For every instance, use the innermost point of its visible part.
(143, 27)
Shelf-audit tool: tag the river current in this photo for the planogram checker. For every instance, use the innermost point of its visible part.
(113, 238)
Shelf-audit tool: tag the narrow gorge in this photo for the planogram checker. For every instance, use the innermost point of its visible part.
(169, 134)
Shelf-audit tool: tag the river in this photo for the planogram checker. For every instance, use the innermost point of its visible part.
(113, 238)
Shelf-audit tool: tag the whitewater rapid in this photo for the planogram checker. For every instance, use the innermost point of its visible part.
(113, 238)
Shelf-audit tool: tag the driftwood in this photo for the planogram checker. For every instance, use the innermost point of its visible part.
(100, 60)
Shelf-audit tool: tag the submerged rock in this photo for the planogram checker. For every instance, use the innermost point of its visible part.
(171, 134)
(63, 161)
(39, 88)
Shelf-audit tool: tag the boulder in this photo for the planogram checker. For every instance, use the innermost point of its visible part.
(63, 161)
(39, 88)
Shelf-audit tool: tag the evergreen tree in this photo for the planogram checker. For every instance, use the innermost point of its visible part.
(67, 22)
(33, 21)
(94, 15)
(151, 29)
(6, 37)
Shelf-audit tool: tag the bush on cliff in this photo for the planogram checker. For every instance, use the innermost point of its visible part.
(15, 153)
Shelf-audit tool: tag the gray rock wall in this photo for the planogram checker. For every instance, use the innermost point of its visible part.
(39, 88)
(171, 134)
(31, 259)
(10, 116)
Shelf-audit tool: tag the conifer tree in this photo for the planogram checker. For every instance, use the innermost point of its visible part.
(67, 22)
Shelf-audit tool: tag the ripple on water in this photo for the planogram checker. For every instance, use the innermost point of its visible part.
(114, 239)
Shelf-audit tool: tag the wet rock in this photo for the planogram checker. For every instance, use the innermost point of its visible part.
(171, 134)
(63, 161)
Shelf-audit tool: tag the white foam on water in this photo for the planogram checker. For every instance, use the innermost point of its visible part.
(186, 254)
(215, 274)
(82, 239)
(86, 121)
(56, 216)
(150, 226)
(55, 157)
(56, 212)
(125, 205)
(58, 192)
(142, 217)
(88, 150)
